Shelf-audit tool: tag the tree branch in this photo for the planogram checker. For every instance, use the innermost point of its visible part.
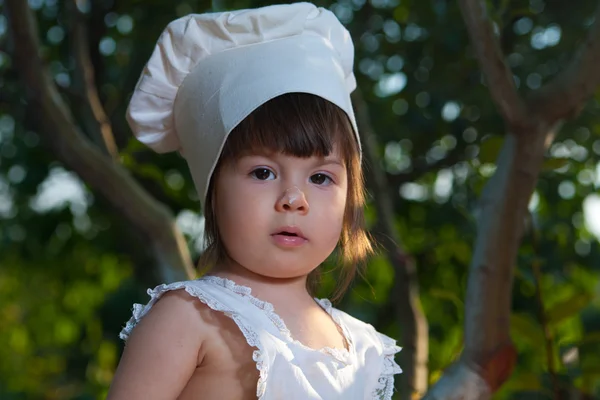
(495, 70)
(489, 356)
(101, 173)
(96, 121)
(566, 94)
(405, 292)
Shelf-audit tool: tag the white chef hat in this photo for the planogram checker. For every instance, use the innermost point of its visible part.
(210, 71)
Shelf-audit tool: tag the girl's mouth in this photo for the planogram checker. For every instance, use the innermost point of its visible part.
(289, 236)
(289, 231)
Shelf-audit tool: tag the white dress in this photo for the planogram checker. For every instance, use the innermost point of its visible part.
(288, 369)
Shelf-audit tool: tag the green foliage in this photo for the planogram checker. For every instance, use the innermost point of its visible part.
(58, 345)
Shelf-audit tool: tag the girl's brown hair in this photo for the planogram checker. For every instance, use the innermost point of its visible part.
(299, 125)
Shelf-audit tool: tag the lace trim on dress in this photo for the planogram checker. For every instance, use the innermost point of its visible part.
(342, 355)
(385, 383)
(139, 311)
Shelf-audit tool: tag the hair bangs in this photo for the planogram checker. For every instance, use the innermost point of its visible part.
(300, 125)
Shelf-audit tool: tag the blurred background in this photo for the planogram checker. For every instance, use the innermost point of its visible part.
(72, 262)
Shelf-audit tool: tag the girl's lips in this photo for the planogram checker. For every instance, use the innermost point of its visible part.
(290, 230)
(288, 241)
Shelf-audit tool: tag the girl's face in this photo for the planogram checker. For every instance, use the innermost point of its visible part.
(260, 199)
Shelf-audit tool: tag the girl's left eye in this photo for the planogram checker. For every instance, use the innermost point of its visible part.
(321, 179)
(262, 174)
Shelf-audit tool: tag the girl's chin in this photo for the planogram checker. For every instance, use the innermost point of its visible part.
(285, 265)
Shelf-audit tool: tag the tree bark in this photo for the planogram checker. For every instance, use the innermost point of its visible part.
(405, 292)
(489, 356)
(96, 122)
(110, 179)
(492, 62)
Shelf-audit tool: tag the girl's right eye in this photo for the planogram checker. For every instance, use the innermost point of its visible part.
(262, 174)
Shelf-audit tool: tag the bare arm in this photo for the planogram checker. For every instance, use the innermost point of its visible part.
(162, 351)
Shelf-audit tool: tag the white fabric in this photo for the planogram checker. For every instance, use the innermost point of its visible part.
(210, 71)
(288, 369)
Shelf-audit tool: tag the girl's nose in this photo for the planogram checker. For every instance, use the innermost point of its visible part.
(292, 199)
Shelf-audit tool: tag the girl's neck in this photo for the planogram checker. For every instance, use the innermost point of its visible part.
(281, 292)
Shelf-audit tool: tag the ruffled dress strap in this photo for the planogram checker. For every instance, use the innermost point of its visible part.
(385, 384)
(377, 352)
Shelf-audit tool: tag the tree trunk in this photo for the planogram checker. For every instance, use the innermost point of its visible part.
(489, 356)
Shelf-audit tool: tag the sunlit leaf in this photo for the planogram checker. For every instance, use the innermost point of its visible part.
(568, 308)
(526, 327)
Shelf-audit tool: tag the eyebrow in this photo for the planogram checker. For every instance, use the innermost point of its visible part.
(332, 161)
(271, 155)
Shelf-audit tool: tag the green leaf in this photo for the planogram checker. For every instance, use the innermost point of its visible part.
(401, 14)
(568, 308)
(133, 146)
(591, 337)
(525, 382)
(489, 150)
(524, 326)
(449, 295)
(554, 163)
(150, 171)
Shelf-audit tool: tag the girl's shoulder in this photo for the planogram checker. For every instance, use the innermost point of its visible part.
(192, 298)
(166, 339)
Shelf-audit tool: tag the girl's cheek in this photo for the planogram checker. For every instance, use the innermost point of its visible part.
(237, 189)
(339, 199)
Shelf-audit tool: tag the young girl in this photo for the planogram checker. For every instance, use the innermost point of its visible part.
(258, 102)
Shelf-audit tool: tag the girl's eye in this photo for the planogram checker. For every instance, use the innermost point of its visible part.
(262, 174)
(321, 179)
